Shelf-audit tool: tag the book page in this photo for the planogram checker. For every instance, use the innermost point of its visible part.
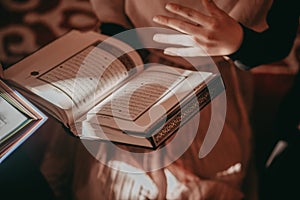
(70, 75)
(84, 79)
(89, 73)
(10, 119)
(147, 99)
(19, 119)
(138, 95)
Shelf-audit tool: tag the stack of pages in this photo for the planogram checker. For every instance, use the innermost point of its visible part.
(18, 120)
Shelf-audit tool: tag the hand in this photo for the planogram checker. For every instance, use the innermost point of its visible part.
(216, 34)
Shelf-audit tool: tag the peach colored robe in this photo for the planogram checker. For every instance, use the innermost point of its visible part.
(234, 145)
(219, 175)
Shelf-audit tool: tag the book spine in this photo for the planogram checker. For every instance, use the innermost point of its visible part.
(188, 111)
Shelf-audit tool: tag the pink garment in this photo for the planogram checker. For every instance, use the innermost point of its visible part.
(219, 175)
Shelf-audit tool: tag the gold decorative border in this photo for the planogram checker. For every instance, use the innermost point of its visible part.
(189, 110)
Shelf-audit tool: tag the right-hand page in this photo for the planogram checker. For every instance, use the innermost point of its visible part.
(144, 100)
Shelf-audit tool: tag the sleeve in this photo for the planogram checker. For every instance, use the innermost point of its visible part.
(288, 120)
(112, 16)
(272, 44)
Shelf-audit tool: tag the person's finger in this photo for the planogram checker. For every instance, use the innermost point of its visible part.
(175, 39)
(189, 13)
(178, 25)
(185, 52)
(211, 7)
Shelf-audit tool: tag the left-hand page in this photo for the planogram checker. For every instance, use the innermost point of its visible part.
(68, 76)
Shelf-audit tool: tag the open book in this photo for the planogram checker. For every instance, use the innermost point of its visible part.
(18, 120)
(88, 83)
